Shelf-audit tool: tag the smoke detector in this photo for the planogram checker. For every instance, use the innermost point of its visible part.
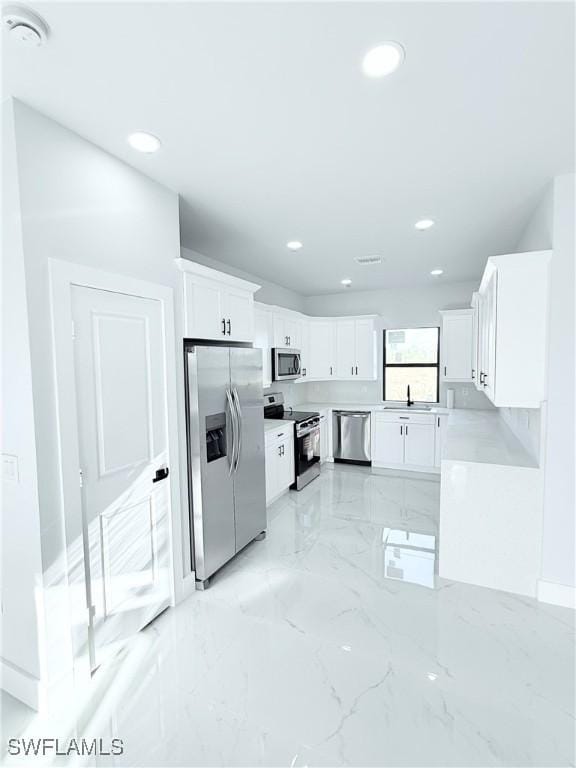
(368, 260)
(24, 26)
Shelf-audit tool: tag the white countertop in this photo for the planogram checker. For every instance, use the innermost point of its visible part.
(367, 407)
(270, 424)
(483, 437)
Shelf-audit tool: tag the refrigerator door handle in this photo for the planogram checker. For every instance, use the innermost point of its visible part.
(236, 399)
(234, 430)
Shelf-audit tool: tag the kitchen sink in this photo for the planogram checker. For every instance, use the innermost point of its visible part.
(405, 408)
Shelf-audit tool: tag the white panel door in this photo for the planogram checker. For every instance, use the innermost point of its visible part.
(203, 308)
(123, 445)
(321, 350)
(365, 364)
(345, 348)
(388, 442)
(285, 465)
(419, 444)
(457, 347)
(238, 313)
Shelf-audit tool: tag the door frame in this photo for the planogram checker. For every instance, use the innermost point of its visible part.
(63, 275)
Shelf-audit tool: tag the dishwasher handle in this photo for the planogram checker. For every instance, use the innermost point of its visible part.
(354, 414)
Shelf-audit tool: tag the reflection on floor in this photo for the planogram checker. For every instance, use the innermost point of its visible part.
(333, 642)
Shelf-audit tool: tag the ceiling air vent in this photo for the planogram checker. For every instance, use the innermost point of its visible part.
(368, 260)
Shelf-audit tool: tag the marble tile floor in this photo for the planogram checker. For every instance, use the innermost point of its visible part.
(334, 643)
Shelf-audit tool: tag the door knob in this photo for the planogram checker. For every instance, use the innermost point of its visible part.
(161, 474)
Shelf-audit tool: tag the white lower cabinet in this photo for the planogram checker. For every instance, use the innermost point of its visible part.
(279, 457)
(324, 435)
(387, 442)
(419, 442)
(404, 441)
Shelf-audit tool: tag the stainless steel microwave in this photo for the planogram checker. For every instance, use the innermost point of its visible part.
(285, 364)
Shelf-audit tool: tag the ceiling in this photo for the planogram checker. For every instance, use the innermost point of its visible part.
(271, 132)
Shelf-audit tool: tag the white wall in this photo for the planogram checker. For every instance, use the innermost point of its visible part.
(552, 226)
(269, 293)
(79, 204)
(20, 543)
(558, 551)
(399, 308)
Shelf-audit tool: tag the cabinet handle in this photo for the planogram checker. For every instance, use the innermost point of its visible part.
(286, 340)
(473, 374)
(356, 370)
(330, 370)
(406, 427)
(444, 370)
(352, 370)
(401, 429)
(438, 420)
(289, 341)
(224, 326)
(304, 372)
(229, 327)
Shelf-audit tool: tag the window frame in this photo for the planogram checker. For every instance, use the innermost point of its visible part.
(436, 365)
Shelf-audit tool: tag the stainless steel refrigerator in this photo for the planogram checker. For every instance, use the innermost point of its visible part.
(225, 433)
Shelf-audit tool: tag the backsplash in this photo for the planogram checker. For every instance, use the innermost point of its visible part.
(294, 394)
(525, 423)
(465, 395)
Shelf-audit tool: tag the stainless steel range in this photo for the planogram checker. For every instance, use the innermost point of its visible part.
(306, 438)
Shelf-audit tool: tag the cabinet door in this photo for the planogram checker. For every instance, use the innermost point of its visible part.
(239, 315)
(280, 333)
(388, 442)
(304, 333)
(490, 342)
(262, 340)
(345, 348)
(365, 363)
(271, 459)
(204, 313)
(419, 443)
(475, 339)
(292, 327)
(285, 459)
(321, 350)
(457, 347)
(439, 439)
(323, 437)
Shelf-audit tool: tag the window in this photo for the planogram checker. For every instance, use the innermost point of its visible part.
(412, 357)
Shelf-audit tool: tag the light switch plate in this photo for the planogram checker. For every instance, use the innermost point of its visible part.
(9, 468)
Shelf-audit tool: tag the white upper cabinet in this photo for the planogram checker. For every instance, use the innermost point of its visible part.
(366, 358)
(512, 307)
(217, 306)
(457, 344)
(304, 331)
(322, 349)
(355, 348)
(286, 330)
(263, 340)
(345, 348)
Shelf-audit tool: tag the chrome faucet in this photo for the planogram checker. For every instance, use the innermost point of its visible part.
(408, 401)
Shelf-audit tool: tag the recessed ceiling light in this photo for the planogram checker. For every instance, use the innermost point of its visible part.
(346, 282)
(424, 224)
(437, 272)
(144, 142)
(294, 245)
(383, 59)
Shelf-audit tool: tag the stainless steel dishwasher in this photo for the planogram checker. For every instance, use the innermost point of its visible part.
(351, 436)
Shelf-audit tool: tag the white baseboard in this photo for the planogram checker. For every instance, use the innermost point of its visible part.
(557, 594)
(20, 684)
